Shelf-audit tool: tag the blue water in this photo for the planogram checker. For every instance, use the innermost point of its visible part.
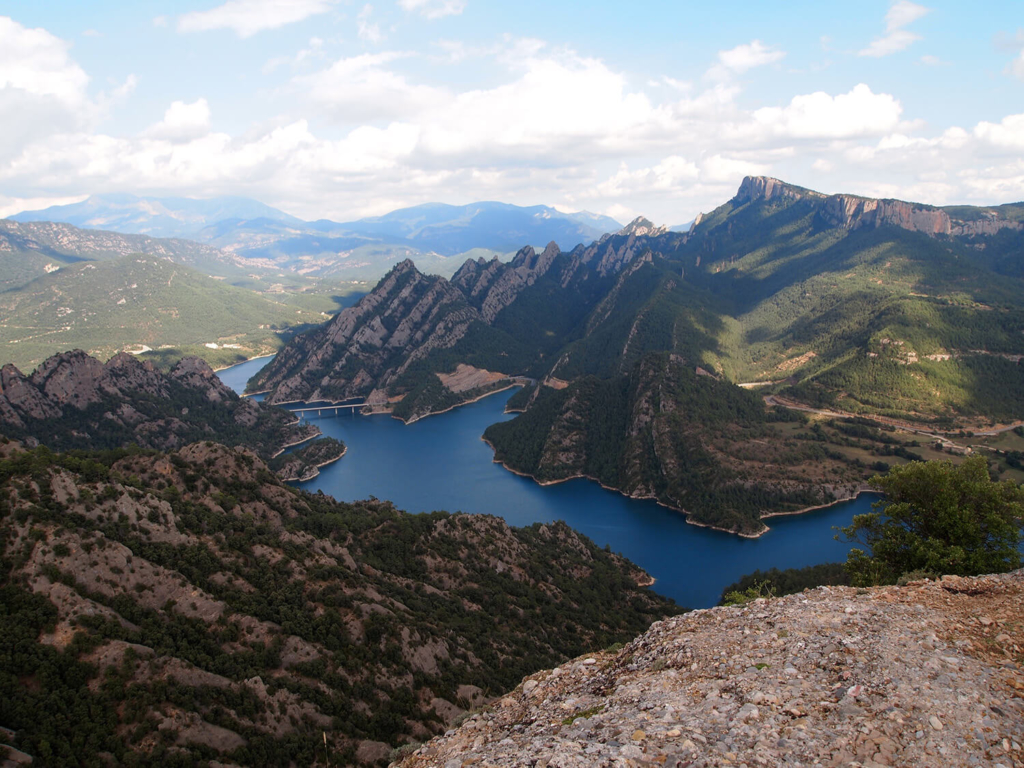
(441, 463)
(237, 375)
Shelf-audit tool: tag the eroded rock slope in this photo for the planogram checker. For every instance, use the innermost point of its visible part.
(928, 674)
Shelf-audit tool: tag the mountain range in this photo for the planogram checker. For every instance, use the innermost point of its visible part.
(882, 311)
(352, 250)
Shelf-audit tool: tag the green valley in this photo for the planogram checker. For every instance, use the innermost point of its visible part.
(142, 302)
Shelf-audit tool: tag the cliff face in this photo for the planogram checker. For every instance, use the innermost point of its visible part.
(849, 212)
(927, 674)
(855, 212)
(73, 400)
(754, 188)
(194, 603)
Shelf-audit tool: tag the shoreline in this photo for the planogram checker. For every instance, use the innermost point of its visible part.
(247, 360)
(687, 516)
(856, 495)
(286, 446)
(450, 407)
(317, 468)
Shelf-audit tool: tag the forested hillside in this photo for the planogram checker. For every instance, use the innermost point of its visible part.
(178, 608)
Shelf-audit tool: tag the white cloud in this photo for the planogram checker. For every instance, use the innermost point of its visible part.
(719, 168)
(1008, 134)
(743, 58)
(37, 63)
(552, 126)
(361, 88)
(367, 29)
(896, 38)
(902, 12)
(821, 116)
(247, 17)
(434, 9)
(557, 105)
(12, 205)
(182, 122)
(670, 173)
(314, 50)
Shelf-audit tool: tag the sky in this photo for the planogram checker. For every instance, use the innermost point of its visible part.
(335, 109)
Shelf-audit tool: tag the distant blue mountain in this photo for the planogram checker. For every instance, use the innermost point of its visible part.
(155, 216)
(451, 229)
(363, 248)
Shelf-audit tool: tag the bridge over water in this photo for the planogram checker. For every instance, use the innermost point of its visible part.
(328, 408)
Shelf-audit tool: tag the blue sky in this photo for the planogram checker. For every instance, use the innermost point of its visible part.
(337, 109)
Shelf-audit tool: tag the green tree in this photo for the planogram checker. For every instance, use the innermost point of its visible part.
(938, 518)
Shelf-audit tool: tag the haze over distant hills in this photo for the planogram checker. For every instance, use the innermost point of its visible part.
(154, 216)
(365, 248)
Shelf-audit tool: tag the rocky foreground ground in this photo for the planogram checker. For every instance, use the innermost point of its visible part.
(930, 674)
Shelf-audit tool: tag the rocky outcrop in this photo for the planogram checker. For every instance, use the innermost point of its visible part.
(989, 224)
(524, 270)
(927, 674)
(856, 212)
(754, 188)
(851, 212)
(366, 347)
(74, 400)
(642, 227)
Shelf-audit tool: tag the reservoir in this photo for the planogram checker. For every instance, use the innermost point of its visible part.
(441, 463)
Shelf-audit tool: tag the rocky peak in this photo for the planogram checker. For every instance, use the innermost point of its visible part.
(196, 373)
(124, 372)
(404, 267)
(20, 400)
(641, 227)
(69, 378)
(767, 188)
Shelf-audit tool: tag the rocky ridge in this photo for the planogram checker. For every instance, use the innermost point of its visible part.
(926, 674)
(73, 400)
(855, 212)
(367, 348)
